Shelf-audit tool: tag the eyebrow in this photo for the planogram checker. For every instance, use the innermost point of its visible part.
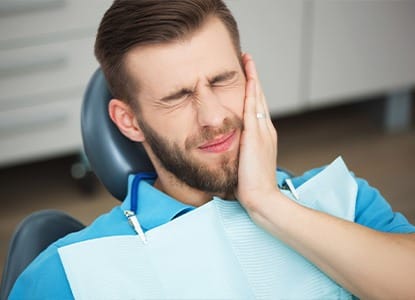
(227, 75)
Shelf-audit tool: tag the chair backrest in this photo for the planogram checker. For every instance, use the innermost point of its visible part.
(34, 234)
(111, 155)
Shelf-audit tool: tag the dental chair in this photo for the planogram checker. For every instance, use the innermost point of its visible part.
(111, 156)
(34, 234)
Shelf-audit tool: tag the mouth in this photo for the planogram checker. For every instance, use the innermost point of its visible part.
(220, 144)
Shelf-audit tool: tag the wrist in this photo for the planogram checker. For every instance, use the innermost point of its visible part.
(268, 208)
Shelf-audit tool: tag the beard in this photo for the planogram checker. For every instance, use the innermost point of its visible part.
(220, 180)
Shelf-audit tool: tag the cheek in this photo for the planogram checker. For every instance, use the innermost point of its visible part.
(177, 129)
(169, 127)
(234, 100)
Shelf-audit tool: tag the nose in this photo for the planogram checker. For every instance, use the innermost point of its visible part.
(210, 109)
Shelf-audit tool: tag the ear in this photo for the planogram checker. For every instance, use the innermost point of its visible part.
(125, 119)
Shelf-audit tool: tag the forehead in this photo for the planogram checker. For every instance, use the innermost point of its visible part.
(157, 69)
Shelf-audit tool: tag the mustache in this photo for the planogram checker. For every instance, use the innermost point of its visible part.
(206, 134)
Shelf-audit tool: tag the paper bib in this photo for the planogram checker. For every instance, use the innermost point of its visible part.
(213, 252)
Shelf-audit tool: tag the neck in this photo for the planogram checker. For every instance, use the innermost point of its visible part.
(172, 186)
(177, 189)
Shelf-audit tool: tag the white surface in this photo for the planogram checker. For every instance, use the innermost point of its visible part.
(33, 72)
(360, 48)
(51, 20)
(271, 31)
(46, 60)
(40, 131)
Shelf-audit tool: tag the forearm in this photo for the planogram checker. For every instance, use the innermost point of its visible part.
(368, 263)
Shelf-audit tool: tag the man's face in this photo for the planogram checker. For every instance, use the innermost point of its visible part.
(191, 98)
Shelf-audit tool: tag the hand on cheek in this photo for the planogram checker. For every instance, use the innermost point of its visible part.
(258, 149)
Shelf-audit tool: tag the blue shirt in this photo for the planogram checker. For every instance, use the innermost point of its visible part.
(45, 277)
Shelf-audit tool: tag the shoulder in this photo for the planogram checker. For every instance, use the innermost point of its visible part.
(109, 224)
(372, 209)
(45, 277)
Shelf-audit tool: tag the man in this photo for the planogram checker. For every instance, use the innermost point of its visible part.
(183, 89)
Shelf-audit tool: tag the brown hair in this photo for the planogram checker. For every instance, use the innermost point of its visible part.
(132, 23)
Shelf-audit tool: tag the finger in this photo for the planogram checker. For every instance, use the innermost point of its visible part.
(250, 120)
(261, 103)
(251, 75)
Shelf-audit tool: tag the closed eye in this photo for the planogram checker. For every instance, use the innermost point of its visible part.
(177, 95)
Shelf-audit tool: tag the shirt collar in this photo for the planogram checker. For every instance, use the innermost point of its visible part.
(154, 208)
(281, 177)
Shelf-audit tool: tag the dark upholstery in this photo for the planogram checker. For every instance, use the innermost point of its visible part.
(111, 155)
(34, 234)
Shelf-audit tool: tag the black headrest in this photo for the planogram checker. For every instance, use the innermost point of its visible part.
(111, 155)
